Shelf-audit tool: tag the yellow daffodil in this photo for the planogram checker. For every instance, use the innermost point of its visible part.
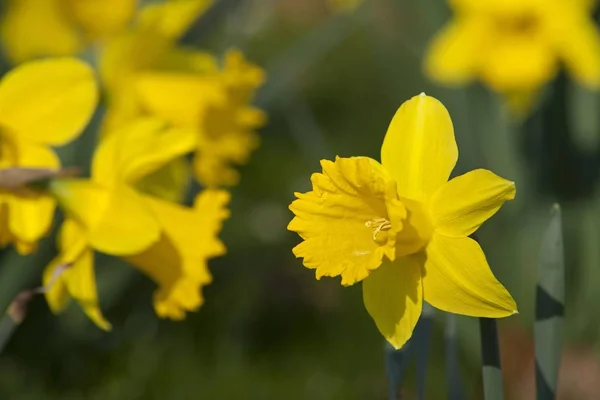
(42, 104)
(402, 228)
(169, 242)
(516, 46)
(35, 28)
(150, 44)
(216, 105)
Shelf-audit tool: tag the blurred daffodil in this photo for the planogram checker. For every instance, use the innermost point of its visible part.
(149, 44)
(42, 104)
(402, 228)
(516, 46)
(217, 107)
(108, 213)
(35, 28)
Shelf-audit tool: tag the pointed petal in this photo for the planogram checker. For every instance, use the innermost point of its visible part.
(139, 148)
(460, 206)
(454, 54)
(457, 279)
(116, 220)
(81, 284)
(77, 280)
(393, 295)
(419, 149)
(334, 219)
(48, 101)
(57, 295)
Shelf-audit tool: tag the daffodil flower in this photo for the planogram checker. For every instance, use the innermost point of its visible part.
(36, 28)
(149, 44)
(42, 104)
(516, 46)
(108, 213)
(402, 228)
(216, 105)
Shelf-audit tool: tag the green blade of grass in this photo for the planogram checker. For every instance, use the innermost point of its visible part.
(549, 309)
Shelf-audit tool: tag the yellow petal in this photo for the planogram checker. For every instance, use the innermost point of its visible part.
(460, 206)
(34, 28)
(81, 283)
(419, 148)
(48, 101)
(577, 41)
(139, 148)
(178, 262)
(30, 213)
(172, 19)
(77, 280)
(116, 220)
(180, 98)
(454, 54)
(518, 63)
(349, 221)
(57, 295)
(100, 18)
(393, 296)
(457, 279)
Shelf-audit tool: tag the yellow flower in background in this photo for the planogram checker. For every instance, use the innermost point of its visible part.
(150, 44)
(516, 46)
(402, 228)
(42, 104)
(35, 28)
(217, 107)
(108, 213)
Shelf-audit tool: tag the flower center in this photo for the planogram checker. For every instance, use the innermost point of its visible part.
(378, 225)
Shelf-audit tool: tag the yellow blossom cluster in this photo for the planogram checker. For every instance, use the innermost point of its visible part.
(162, 102)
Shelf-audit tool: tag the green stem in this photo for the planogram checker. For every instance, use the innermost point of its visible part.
(492, 371)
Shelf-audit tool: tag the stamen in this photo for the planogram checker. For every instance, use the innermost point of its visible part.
(378, 225)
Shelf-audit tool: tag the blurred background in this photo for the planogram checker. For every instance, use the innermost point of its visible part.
(268, 329)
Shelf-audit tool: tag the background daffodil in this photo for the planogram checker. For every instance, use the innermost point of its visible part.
(151, 43)
(515, 46)
(42, 104)
(402, 228)
(169, 242)
(217, 106)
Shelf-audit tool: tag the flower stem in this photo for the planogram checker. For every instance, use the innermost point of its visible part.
(492, 372)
